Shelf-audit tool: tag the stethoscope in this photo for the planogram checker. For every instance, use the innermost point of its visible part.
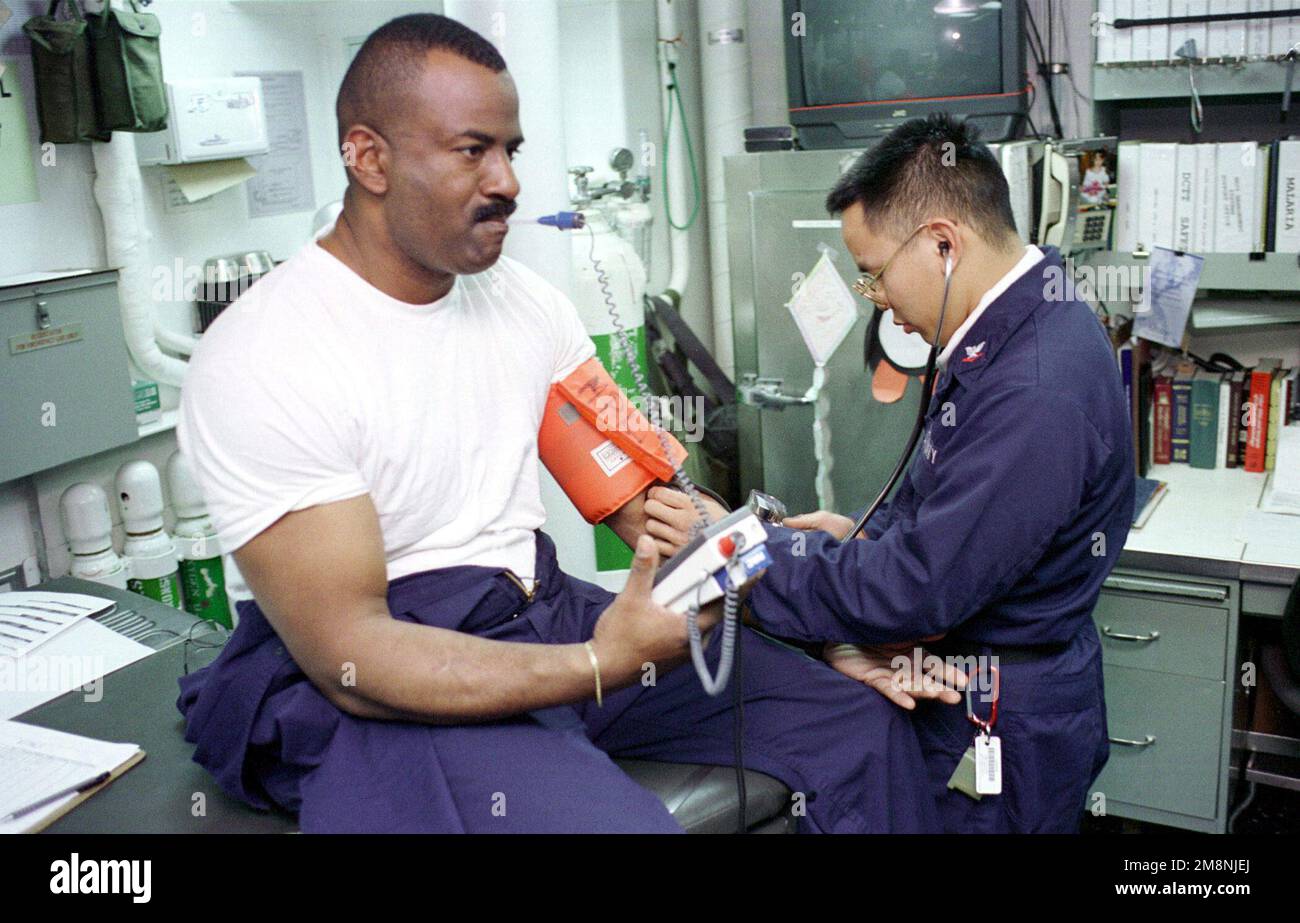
(922, 409)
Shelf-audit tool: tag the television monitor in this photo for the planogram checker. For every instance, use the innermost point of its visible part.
(856, 69)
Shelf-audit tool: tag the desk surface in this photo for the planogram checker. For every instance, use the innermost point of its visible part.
(158, 795)
(1196, 527)
(139, 706)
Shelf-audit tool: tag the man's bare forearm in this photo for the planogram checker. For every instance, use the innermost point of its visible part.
(388, 668)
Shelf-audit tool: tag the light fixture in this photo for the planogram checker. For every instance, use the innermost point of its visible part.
(956, 7)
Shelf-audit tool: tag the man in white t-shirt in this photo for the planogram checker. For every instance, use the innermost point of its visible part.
(363, 423)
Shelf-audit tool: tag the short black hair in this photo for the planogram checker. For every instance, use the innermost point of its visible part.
(392, 56)
(927, 168)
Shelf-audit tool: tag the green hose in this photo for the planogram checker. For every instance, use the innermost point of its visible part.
(675, 93)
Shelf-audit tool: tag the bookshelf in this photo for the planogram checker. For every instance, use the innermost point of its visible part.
(1242, 100)
(1168, 80)
(1225, 272)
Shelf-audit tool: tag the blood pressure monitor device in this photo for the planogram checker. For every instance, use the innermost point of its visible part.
(730, 550)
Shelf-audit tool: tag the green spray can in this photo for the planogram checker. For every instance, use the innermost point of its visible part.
(202, 574)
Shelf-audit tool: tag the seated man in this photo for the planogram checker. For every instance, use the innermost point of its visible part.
(363, 423)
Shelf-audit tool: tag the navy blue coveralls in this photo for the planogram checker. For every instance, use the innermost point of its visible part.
(1012, 513)
(269, 736)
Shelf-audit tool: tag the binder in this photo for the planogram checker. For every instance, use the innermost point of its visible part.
(1156, 194)
(1185, 199)
(1128, 166)
(1203, 235)
(1234, 191)
(1284, 229)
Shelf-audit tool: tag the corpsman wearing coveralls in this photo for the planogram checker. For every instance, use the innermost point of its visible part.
(1011, 514)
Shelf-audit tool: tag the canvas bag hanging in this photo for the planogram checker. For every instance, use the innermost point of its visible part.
(128, 67)
(65, 86)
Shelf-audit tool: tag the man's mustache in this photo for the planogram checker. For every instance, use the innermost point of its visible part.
(497, 211)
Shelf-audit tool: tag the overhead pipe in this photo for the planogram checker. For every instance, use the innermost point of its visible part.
(728, 110)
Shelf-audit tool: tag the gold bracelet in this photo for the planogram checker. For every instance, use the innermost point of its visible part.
(595, 668)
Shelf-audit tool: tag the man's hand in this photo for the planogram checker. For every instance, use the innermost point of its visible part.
(821, 521)
(878, 667)
(635, 630)
(670, 515)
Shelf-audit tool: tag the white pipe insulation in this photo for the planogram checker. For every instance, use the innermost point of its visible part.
(119, 193)
(728, 110)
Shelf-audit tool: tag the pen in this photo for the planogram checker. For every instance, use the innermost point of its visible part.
(79, 787)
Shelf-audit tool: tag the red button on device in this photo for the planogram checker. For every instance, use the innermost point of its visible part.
(727, 545)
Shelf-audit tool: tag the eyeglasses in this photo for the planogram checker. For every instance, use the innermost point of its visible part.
(868, 286)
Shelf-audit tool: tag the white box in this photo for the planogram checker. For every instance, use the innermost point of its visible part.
(217, 118)
(1124, 37)
(1284, 32)
(1105, 31)
(1258, 31)
(1158, 36)
(1141, 34)
(1227, 39)
(1180, 34)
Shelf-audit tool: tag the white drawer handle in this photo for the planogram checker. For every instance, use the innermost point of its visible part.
(1120, 636)
(1148, 741)
(1166, 587)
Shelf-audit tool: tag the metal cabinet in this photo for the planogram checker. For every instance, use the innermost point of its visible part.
(65, 388)
(1168, 649)
(777, 229)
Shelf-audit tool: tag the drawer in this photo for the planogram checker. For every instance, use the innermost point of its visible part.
(1178, 721)
(1155, 632)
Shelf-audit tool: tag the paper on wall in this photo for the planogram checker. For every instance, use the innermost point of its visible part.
(284, 178)
(1167, 298)
(824, 310)
(17, 170)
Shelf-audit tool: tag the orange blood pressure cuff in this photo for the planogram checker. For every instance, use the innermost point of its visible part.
(599, 448)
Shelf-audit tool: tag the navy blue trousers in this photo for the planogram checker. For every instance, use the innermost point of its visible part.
(268, 736)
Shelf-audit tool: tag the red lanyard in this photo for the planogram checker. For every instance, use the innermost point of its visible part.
(985, 726)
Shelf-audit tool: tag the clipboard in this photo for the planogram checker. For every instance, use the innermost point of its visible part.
(114, 774)
(39, 762)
